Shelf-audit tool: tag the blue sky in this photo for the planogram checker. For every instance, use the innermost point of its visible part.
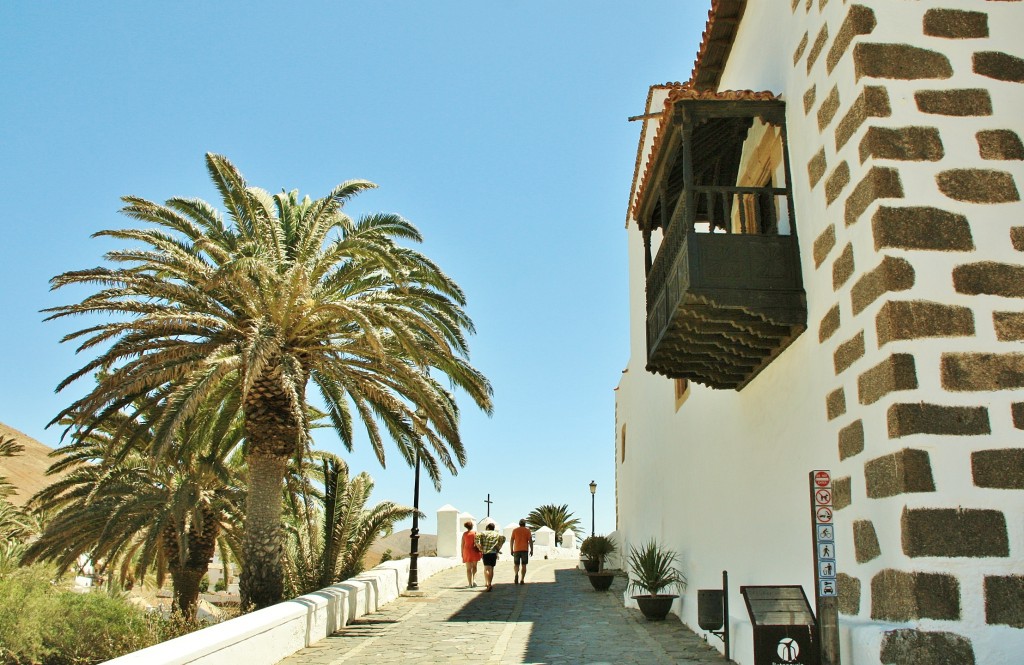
(499, 129)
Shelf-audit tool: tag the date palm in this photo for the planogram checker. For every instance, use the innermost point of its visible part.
(276, 294)
(556, 518)
(135, 514)
(16, 526)
(334, 530)
(9, 447)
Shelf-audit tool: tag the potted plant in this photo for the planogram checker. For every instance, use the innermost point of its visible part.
(596, 548)
(653, 568)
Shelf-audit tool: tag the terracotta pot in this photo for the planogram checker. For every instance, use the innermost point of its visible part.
(655, 608)
(601, 581)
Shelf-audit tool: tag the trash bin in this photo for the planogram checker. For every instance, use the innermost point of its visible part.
(710, 609)
(785, 631)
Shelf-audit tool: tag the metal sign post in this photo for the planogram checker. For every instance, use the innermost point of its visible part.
(826, 589)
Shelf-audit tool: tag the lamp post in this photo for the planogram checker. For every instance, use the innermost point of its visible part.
(414, 535)
(593, 492)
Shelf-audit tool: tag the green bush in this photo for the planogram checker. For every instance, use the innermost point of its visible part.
(44, 624)
(221, 585)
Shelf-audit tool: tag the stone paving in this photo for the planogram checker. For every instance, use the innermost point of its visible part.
(556, 618)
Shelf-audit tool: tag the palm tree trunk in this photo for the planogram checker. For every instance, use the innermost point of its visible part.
(188, 575)
(275, 434)
(186, 590)
(261, 583)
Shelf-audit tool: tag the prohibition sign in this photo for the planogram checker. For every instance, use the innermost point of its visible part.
(822, 478)
(823, 497)
(823, 514)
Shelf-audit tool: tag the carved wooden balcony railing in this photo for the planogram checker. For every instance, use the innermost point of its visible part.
(721, 306)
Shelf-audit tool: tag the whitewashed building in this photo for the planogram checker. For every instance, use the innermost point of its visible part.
(825, 241)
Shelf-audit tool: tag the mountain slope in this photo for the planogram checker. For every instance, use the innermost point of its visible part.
(26, 470)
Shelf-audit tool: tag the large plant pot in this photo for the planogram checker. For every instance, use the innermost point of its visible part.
(655, 608)
(601, 581)
(591, 566)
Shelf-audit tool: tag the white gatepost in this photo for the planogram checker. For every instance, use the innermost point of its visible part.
(544, 537)
(507, 547)
(569, 539)
(448, 531)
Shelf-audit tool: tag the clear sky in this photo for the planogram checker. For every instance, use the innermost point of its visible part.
(498, 128)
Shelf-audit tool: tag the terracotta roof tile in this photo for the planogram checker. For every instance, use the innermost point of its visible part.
(680, 93)
(640, 143)
(716, 42)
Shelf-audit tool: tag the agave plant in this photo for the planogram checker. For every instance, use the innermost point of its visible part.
(653, 567)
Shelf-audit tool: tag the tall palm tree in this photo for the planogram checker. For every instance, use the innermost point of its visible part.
(333, 531)
(278, 293)
(136, 514)
(556, 518)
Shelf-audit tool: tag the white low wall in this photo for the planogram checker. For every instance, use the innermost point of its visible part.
(271, 634)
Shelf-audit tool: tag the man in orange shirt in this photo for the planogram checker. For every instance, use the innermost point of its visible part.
(522, 548)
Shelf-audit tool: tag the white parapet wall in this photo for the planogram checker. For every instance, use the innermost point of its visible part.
(269, 635)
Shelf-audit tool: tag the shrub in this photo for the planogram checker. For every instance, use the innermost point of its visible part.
(45, 624)
(597, 548)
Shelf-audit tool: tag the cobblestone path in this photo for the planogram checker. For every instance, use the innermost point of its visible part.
(556, 618)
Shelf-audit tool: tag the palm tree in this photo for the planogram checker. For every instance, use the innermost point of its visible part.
(9, 447)
(135, 514)
(556, 518)
(280, 293)
(16, 527)
(334, 530)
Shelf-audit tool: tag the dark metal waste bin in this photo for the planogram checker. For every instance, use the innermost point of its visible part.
(785, 631)
(710, 609)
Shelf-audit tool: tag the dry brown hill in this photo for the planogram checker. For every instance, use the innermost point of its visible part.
(26, 470)
(398, 543)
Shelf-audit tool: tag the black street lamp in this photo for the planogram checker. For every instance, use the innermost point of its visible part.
(414, 535)
(593, 492)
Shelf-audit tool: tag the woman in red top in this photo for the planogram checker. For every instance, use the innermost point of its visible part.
(470, 554)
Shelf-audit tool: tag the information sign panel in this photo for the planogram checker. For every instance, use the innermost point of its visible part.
(826, 585)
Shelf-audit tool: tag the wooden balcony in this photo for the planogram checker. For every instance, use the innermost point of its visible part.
(722, 306)
(724, 292)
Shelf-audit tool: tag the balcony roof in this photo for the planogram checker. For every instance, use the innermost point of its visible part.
(685, 95)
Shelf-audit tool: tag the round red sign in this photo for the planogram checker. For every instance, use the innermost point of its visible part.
(822, 478)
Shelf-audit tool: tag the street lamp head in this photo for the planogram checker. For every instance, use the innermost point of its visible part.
(593, 487)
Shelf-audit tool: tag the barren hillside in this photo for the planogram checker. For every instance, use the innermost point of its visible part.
(26, 470)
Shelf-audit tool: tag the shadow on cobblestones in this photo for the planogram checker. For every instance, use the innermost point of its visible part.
(554, 619)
